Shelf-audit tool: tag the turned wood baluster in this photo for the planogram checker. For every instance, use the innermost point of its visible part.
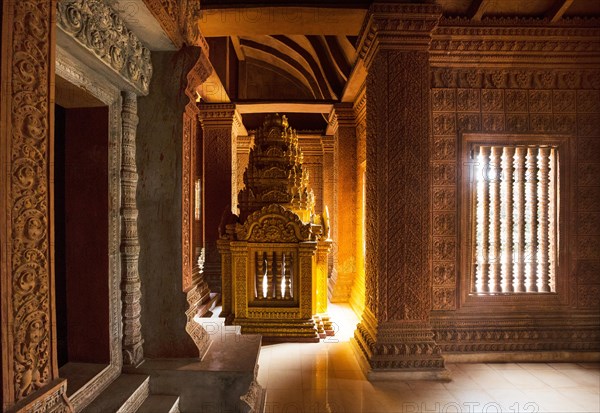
(531, 218)
(274, 277)
(542, 230)
(291, 281)
(519, 219)
(265, 273)
(256, 274)
(553, 229)
(483, 279)
(506, 227)
(494, 226)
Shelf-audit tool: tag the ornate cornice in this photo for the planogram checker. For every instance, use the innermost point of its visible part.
(494, 42)
(397, 26)
(99, 29)
(497, 21)
(221, 115)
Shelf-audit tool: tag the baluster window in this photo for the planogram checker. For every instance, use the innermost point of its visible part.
(515, 231)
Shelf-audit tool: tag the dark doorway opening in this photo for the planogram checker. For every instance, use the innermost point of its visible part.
(81, 219)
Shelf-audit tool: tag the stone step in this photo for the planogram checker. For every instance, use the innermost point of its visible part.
(124, 395)
(160, 403)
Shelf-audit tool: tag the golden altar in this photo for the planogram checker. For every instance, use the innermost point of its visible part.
(274, 255)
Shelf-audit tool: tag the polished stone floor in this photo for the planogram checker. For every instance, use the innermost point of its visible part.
(325, 377)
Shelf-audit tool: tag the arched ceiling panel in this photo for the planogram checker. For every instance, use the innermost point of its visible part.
(276, 59)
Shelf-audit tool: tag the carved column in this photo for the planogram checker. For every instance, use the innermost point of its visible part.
(133, 352)
(394, 337)
(342, 120)
(220, 126)
(194, 284)
(30, 379)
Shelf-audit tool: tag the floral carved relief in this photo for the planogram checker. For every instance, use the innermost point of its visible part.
(98, 28)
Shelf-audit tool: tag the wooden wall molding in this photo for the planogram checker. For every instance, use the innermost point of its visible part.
(508, 41)
(521, 77)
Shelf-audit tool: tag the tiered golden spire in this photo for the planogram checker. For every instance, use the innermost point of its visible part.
(275, 174)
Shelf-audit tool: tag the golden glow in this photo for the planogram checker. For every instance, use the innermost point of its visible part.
(197, 200)
(265, 285)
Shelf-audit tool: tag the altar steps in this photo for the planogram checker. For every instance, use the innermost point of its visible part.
(160, 403)
(124, 395)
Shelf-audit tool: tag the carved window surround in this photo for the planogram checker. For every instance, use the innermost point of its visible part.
(74, 71)
(509, 302)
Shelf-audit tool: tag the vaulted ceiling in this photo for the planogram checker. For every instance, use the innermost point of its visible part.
(304, 51)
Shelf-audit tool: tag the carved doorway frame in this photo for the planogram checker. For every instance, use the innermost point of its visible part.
(80, 75)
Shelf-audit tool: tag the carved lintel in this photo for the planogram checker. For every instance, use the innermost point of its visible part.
(260, 226)
(99, 29)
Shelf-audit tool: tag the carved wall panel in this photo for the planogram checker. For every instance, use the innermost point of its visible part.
(519, 100)
(28, 315)
(398, 269)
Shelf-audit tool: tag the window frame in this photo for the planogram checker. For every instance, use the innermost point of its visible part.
(513, 300)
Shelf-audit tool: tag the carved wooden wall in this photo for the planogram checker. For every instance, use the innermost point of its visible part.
(541, 88)
(29, 366)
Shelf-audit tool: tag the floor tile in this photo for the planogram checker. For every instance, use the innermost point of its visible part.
(326, 377)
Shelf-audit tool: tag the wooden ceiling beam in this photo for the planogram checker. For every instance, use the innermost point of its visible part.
(253, 21)
(239, 52)
(558, 10)
(281, 107)
(477, 9)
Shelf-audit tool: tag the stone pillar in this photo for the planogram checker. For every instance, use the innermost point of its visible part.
(342, 121)
(133, 352)
(220, 126)
(29, 378)
(394, 337)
